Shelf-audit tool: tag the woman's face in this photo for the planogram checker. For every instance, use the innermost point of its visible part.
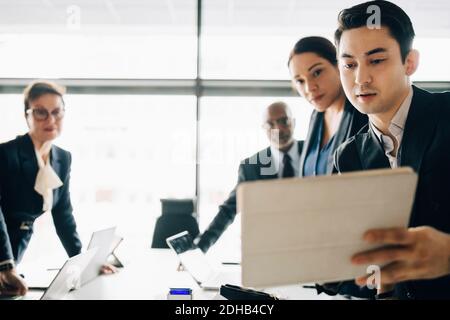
(45, 117)
(315, 79)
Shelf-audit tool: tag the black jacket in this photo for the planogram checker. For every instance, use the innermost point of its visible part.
(425, 148)
(352, 121)
(20, 203)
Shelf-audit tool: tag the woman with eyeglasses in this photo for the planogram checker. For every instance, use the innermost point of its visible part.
(315, 75)
(34, 179)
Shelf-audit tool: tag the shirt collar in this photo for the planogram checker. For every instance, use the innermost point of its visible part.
(397, 124)
(292, 152)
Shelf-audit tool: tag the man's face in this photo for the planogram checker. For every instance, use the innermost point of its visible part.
(373, 75)
(279, 126)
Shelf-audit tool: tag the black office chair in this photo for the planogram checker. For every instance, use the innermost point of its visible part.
(177, 216)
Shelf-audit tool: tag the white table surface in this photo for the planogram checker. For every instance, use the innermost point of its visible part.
(149, 276)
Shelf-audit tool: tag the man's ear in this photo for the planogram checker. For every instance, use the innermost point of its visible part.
(412, 62)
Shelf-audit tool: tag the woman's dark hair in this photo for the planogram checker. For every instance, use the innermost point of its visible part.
(39, 88)
(318, 45)
(391, 16)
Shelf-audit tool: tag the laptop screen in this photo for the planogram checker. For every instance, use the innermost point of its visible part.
(102, 240)
(194, 260)
(181, 242)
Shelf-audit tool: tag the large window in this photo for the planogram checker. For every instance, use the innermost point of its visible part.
(434, 64)
(98, 39)
(252, 39)
(128, 152)
(230, 131)
(144, 121)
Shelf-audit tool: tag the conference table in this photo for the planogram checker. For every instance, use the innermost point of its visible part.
(150, 275)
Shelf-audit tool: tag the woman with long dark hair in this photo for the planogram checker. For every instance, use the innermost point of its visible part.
(315, 75)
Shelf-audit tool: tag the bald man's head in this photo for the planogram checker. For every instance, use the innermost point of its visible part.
(279, 125)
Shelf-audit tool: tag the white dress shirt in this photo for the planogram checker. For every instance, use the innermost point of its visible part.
(46, 181)
(278, 160)
(396, 129)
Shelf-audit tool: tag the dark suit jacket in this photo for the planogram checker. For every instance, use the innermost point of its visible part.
(352, 121)
(20, 203)
(425, 148)
(256, 167)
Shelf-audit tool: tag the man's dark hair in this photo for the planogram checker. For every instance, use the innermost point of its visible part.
(392, 16)
(321, 46)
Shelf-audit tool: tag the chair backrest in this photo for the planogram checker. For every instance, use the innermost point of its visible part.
(168, 225)
(177, 216)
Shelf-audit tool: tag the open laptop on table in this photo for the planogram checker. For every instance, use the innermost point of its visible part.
(104, 240)
(67, 279)
(197, 265)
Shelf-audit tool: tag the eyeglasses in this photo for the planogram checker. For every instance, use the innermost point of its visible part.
(41, 114)
(283, 122)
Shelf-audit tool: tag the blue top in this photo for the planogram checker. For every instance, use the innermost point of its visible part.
(316, 160)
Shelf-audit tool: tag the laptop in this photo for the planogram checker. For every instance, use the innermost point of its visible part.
(198, 266)
(104, 241)
(68, 278)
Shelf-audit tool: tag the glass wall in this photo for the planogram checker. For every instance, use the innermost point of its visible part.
(128, 152)
(133, 148)
(230, 131)
(252, 39)
(98, 39)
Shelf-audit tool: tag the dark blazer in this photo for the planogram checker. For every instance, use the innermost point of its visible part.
(425, 148)
(21, 204)
(352, 121)
(256, 167)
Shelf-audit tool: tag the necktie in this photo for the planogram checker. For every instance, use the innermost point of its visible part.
(288, 170)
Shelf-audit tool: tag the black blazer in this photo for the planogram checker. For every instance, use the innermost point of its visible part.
(352, 121)
(256, 167)
(21, 204)
(425, 148)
